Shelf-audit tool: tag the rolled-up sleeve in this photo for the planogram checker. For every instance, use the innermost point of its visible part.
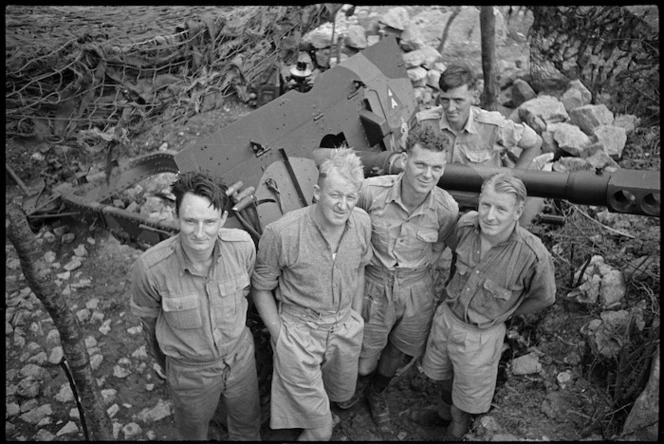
(513, 134)
(145, 299)
(267, 269)
(368, 251)
(543, 283)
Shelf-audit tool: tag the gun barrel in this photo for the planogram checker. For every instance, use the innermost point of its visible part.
(622, 191)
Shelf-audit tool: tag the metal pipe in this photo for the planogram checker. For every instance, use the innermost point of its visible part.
(622, 191)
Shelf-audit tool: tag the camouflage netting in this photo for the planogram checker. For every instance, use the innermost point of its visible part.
(92, 89)
(611, 49)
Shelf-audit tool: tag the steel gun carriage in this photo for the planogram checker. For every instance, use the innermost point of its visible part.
(270, 156)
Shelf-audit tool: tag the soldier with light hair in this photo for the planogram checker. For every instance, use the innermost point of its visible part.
(314, 258)
(499, 270)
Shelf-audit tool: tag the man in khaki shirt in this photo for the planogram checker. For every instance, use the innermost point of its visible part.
(411, 221)
(476, 136)
(314, 259)
(189, 292)
(500, 270)
(480, 137)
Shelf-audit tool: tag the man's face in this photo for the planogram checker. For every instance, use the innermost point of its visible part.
(456, 104)
(323, 58)
(498, 212)
(199, 223)
(423, 169)
(336, 197)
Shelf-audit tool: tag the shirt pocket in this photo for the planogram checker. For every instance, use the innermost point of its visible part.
(427, 235)
(481, 156)
(231, 291)
(419, 248)
(182, 312)
(494, 300)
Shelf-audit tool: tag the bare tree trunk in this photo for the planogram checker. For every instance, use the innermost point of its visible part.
(489, 100)
(40, 279)
(446, 31)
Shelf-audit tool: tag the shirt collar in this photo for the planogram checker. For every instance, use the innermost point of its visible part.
(183, 262)
(468, 127)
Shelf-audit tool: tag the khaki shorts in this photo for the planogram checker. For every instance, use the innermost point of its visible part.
(315, 362)
(398, 309)
(467, 353)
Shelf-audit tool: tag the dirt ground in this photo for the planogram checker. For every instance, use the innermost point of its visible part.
(531, 407)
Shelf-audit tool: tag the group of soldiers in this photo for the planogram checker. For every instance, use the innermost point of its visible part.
(345, 285)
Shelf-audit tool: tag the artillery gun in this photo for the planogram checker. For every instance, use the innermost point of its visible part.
(270, 156)
(270, 159)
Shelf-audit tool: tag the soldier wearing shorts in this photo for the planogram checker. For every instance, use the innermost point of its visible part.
(411, 221)
(500, 270)
(314, 259)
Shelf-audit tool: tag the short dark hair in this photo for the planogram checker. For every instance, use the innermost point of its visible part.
(455, 76)
(427, 138)
(202, 184)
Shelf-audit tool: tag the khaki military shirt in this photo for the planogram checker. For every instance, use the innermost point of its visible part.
(199, 318)
(486, 136)
(295, 259)
(401, 239)
(486, 292)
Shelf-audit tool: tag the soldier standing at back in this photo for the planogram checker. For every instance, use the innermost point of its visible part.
(476, 136)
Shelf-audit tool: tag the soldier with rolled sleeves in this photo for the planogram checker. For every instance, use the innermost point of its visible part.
(477, 136)
(411, 221)
(500, 270)
(190, 292)
(314, 259)
(480, 137)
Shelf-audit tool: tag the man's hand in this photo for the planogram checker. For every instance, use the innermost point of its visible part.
(158, 370)
(267, 309)
(528, 154)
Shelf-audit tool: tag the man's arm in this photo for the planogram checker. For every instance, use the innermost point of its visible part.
(531, 306)
(146, 304)
(149, 331)
(359, 294)
(267, 309)
(531, 147)
(265, 278)
(528, 154)
(542, 287)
